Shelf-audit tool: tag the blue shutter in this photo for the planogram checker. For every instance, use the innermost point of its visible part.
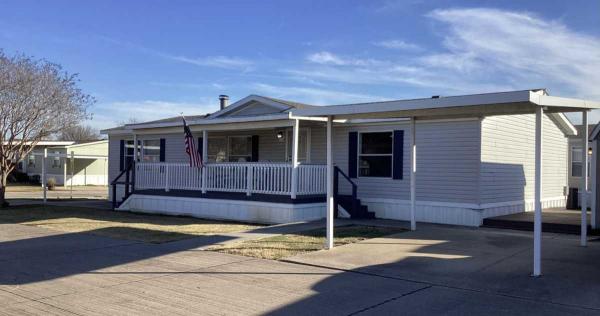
(162, 150)
(398, 156)
(254, 148)
(121, 155)
(352, 154)
(200, 148)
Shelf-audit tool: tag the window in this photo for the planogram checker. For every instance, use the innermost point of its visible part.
(217, 149)
(302, 145)
(129, 149)
(56, 160)
(375, 154)
(240, 148)
(151, 150)
(577, 161)
(31, 161)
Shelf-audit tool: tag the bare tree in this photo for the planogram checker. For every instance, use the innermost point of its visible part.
(131, 120)
(79, 133)
(37, 99)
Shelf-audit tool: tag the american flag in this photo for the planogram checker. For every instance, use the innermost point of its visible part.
(190, 147)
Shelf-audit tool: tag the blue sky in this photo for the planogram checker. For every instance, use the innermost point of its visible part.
(152, 59)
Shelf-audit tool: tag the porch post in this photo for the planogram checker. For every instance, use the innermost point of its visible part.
(413, 174)
(204, 159)
(330, 205)
(583, 187)
(295, 136)
(135, 148)
(537, 222)
(44, 172)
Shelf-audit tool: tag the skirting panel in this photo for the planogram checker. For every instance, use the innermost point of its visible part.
(453, 213)
(441, 213)
(498, 209)
(245, 211)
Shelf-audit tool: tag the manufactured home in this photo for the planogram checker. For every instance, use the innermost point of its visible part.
(68, 162)
(452, 160)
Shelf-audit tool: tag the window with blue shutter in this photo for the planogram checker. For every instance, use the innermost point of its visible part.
(162, 150)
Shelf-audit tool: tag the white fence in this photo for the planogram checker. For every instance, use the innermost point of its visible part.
(266, 178)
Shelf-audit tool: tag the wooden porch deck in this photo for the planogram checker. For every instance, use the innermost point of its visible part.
(555, 220)
(270, 198)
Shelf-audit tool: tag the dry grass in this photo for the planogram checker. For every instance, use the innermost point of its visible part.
(122, 225)
(283, 246)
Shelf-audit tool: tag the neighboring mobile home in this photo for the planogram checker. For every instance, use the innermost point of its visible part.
(89, 164)
(265, 159)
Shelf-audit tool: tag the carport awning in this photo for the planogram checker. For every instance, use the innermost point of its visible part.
(75, 156)
(476, 105)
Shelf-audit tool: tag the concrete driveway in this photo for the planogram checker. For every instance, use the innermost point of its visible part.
(435, 270)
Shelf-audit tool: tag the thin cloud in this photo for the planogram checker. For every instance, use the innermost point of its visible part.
(110, 114)
(398, 45)
(328, 58)
(224, 62)
(522, 48)
(483, 50)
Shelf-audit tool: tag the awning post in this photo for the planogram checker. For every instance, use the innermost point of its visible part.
(413, 174)
(44, 173)
(537, 223)
(72, 171)
(583, 187)
(329, 243)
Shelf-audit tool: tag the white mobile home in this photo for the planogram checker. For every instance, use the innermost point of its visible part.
(266, 159)
(88, 165)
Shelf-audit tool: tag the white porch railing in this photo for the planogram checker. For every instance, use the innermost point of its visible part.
(249, 178)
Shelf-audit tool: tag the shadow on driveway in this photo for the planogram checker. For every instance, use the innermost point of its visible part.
(55, 256)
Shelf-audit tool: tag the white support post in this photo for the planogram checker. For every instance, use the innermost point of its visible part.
(44, 173)
(72, 171)
(537, 222)
(166, 177)
(583, 187)
(204, 159)
(413, 174)
(135, 148)
(295, 136)
(249, 179)
(329, 242)
(593, 185)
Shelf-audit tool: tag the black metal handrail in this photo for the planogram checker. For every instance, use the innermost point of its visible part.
(129, 183)
(336, 172)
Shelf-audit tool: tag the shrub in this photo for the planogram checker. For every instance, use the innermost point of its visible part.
(18, 177)
(51, 183)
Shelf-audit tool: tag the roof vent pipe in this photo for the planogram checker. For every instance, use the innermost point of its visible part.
(223, 100)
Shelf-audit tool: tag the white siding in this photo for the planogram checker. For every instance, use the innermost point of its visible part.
(508, 165)
(447, 161)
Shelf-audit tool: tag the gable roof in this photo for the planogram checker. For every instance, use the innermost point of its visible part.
(281, 105)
